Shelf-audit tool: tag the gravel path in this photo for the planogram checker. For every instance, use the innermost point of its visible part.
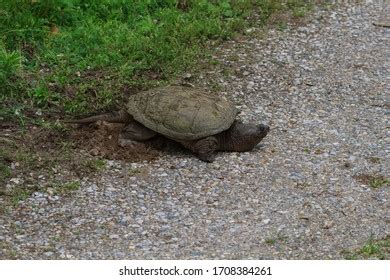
(304, 193)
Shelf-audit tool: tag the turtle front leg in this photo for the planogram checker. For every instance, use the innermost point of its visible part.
(206, 148)
(133, 133)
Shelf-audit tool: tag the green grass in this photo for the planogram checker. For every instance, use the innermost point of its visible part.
(373, 249)
(270, 241)
(375, 181)
(10, 64)
(50, 125)
(135, 171)
(19, 194)
(274, 240)
(69, 187)
(76, 56)
(94, 165)
(378, 182)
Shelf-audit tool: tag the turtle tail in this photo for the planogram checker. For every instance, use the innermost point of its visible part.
(114, 117)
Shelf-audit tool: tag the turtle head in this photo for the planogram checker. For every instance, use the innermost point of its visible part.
(243, 137)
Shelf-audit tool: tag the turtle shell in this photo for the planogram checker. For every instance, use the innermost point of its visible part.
(182, 113)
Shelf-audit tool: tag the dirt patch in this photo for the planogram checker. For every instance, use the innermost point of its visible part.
(101, 140)
(69, 145)
(40, 149)
(40, 158)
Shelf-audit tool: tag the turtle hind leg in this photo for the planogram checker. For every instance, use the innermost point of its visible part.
(135, 132)
(205, 149)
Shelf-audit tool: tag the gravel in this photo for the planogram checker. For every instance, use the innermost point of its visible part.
(321, 85)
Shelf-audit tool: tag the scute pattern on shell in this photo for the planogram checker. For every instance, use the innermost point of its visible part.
(182, 113)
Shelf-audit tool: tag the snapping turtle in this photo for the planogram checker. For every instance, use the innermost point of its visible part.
(199, 122)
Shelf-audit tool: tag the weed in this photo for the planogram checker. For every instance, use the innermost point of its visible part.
(378, 182)
(348, 255)
(19, 194)
(373, 249)
(282, 25)
(51, 125)
(41, 95)
(300, 12)
(214, 86)
(15, 112)
(70, 186)
(26, 158)
(299, 7)
(374, 181)
(370, 249)
(10, 65)
(270, 241)
(374, 159)
(134, 171)
(10, 254)
(62, 188)
(94, 165)
(213, 61)
(273, 240)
